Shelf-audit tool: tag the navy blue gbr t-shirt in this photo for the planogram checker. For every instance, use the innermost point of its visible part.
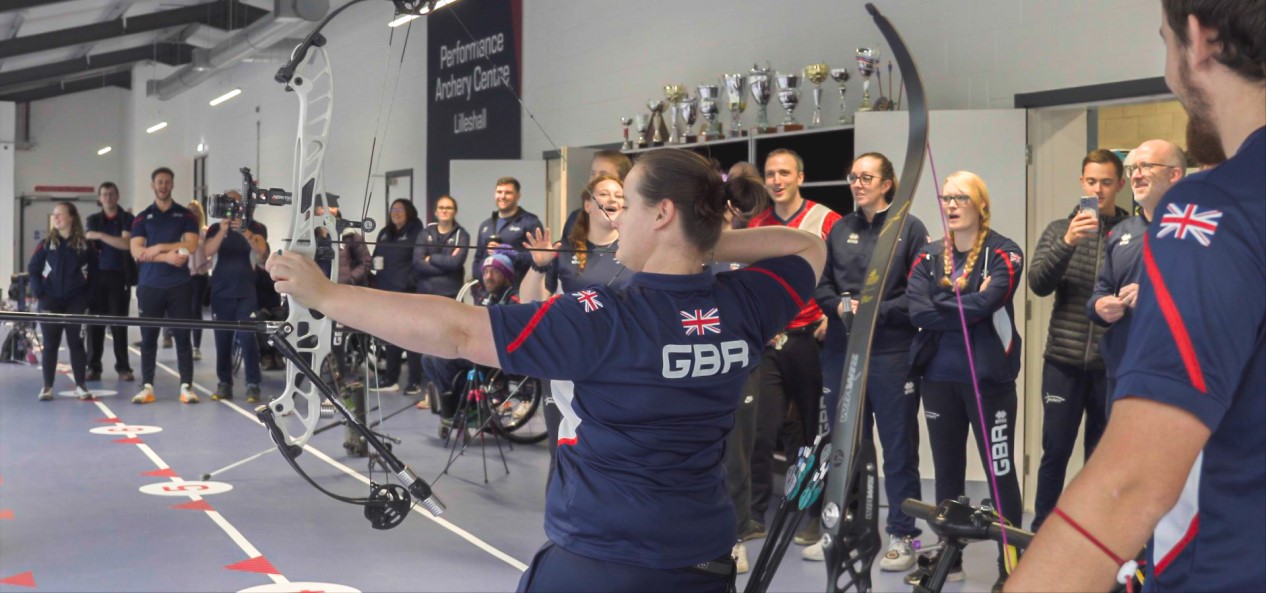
(1198, 342)
(657, 368)
(157, 227)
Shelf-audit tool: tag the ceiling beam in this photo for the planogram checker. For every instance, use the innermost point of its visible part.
(216, 14)
(172, 54)
(9, 5)
(119, 79)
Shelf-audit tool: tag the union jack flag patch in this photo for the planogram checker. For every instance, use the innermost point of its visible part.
(699, 322)
(1182, 222)
(589, 299)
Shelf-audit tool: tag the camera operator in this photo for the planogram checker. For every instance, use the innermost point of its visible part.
(232, 243)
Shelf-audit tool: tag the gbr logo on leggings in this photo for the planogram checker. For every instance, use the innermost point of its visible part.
(999, 452)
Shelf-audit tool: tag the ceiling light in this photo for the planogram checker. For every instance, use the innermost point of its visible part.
(103, 151)
(402, 19)
(431, 6)
(156, 127)
(225, 97)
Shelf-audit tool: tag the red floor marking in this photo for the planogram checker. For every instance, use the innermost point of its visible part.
(6, 513)
(26, 579)
(129, 441)
(162, 473)
(193, 505)
(107, 420)
(257, 564)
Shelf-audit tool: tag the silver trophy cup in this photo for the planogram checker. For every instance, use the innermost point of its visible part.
(841, 76)
(708, 94)
(642, 122)
(867, 62)
(789, 97)
(760, 82)
(689, 108)
(659, 131)
(626, 121)
(735, 89)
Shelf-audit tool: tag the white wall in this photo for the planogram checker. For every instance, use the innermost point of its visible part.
(8, 206)
(586, 63)
(66, 133)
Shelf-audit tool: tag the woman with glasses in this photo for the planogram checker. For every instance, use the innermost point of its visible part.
(889, 403)
(393, 262)
(973, 274)
(439, 263)
(638, 501)
(62, 271)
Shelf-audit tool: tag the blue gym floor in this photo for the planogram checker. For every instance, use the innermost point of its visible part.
(74, 515)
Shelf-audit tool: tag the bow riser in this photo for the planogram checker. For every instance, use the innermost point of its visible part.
(850, 548)
(313, 84)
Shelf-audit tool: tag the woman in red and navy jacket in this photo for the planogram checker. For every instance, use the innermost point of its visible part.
(985, 266)
(62, 270)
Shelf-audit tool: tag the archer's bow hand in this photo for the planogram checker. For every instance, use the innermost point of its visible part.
(300, 278)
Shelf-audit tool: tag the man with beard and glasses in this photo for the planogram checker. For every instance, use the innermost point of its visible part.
(1183, 459)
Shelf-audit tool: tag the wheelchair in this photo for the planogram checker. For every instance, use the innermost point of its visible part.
(508, 404)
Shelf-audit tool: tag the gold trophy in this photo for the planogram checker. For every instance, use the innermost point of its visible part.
(817, 74)
(674, 93)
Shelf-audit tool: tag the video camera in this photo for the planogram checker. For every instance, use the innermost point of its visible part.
(223, 206)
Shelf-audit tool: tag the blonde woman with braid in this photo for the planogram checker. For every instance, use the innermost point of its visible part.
(984, 268)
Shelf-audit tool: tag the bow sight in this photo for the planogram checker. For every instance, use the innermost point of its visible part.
(224, 206)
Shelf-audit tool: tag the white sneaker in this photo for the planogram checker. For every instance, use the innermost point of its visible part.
(900, 555)
(197, 354)
(187, 396)
(740, 557)
(46, 394)
(813, 552)
(82, 393)
(146, 395)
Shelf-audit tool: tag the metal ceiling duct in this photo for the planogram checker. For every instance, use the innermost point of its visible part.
(288, 17)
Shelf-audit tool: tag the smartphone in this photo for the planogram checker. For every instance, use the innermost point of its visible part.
(1090, 203)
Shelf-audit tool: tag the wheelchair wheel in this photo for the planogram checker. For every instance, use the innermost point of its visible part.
(514, 402)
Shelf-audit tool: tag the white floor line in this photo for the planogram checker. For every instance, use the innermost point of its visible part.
(458, 531)
(242, 543)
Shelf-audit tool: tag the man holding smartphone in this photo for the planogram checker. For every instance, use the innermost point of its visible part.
(1066, 263)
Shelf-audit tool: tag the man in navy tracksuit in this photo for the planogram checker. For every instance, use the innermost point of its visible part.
(163, 236)
(891, 398)
(508, 228)
(1155, 166)
(110, 232)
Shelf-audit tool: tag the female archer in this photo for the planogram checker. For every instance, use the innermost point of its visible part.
(638, 501)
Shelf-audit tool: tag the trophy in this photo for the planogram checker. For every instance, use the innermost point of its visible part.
(674, 93)
(689, 107)
(841, 76)
(789, 97)
(625, 121)
(711, 129)
(659, 130)
(643, 123)
(758, 78)
(735, 87)
(816, 73)
(867, 62)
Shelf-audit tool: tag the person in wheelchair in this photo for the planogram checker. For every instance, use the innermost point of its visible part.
(496, 288)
